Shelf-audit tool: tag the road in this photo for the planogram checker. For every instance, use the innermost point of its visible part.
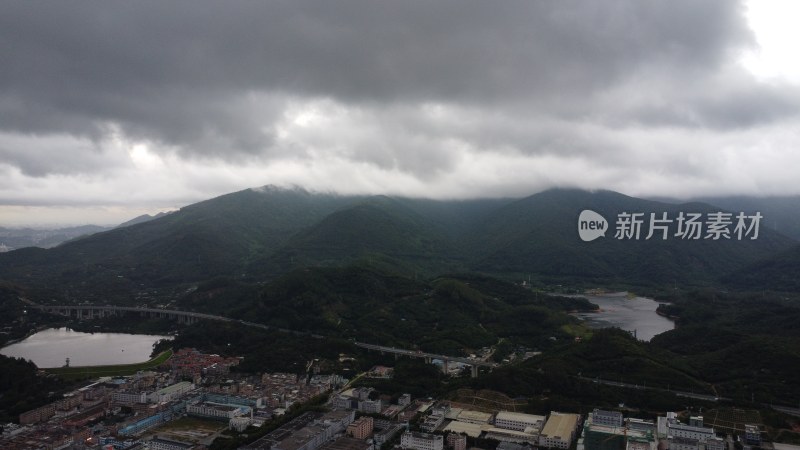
(710, 398)
(198, 316)
(419, 354)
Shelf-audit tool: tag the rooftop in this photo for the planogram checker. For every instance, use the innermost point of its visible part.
(175, 387)
(474, 415)
(504, 431)
(470, 429)
(560, 425)
(518, 417)
(347, 443)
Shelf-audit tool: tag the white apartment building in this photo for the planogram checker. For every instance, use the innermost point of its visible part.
(680, 430)
(607, 418)
(517, 421)
(421, 441)
(129, 397)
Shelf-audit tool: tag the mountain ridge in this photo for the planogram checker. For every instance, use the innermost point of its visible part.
(258, 234)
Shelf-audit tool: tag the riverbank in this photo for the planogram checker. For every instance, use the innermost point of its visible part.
(77, 373)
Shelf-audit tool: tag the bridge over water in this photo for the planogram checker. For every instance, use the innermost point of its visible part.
(189, 317)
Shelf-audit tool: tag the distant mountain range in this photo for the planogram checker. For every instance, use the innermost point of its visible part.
(16, 238)
(258, 234)
(142, 219)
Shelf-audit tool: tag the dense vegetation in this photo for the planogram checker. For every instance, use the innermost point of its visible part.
(23, 389)
(17, 319)
(747, 345)
(453, 314)
(776, 273)
(257, 235)
(402, 272)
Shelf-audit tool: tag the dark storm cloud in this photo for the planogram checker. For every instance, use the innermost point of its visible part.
(452, 98)
(182, 73)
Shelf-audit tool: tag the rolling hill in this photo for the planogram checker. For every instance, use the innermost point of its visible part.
(538, 235)
(258, 234)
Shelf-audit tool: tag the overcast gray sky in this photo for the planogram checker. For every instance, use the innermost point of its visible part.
(109, 109)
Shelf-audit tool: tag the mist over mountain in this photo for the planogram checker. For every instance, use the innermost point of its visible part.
(781, 213)
(258, 234)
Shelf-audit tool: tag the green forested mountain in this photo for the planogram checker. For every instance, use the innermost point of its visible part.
(377, 227)
(538, 234)
(448, 314)
(780, 272)
(201, 241)
(256, 235)
(781, 213)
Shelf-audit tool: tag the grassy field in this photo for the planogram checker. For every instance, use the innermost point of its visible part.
(190, 429)
(77, 373)
(731, 420)
(485, 401)
(578, 330)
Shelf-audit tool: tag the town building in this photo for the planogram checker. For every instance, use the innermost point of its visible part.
(37, 415)
(608, 418)
(384, 431)
(640, 424)
(421, 441)
(240, 423)
(517, 421)
(432, 422)
(309, 431)
(529, 436)
(347, 443)
(698, 433)
(611, 437)
(129, 397)
(217, 411)
(559, 430)
(370, 406)
(168, 444)
(361, 428)
(189, 362)
(457, 441)
(474, 417)
(752, 435)
(512, 446)
(344, 402)
(715, 443)
(137, 426)
(170, 393)
(362, 393)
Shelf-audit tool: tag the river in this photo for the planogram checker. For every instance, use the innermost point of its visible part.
(628, 313)
(51, 347)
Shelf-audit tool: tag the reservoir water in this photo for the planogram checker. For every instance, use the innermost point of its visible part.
(51, 347)
(627, 313)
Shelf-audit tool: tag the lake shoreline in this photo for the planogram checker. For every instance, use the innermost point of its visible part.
(53, 347)
(638, 315)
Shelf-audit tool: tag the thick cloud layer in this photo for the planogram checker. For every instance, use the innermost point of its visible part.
(164, 103)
